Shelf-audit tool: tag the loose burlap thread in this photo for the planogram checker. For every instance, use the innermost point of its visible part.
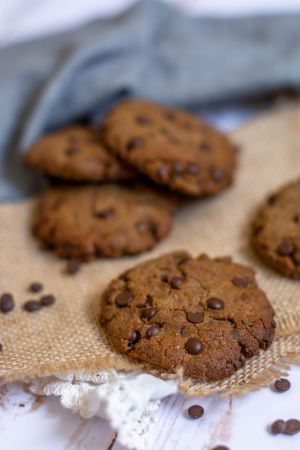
(67, 337)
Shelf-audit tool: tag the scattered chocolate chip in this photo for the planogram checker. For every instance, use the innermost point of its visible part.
(143, 120)
(215, 303)
(296, 258)
(285, 248)
(7, 303)
(272, 199)
(152, 331)
(162, 172)
(192, 168)
(134, 338)
(178, 168)
(195, 411)
(47, 300)
(32, 305)
(193, 346)
(142, 226)
(282, 385)
(1, 347)
(240, 281)
(148, 313)
(36, 287)
(73, 266)
(194, 317)
(135, 143)
(292, 426)
(21, 405)
(205, 147)
(176, 282)
(123, 299)
(105, 214)
(217, 174)
(296, 218)
(220, 447)
(278, 426)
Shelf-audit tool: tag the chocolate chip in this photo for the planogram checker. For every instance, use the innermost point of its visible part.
(134, 338)
(73, 266)
(272, 199)
(192, 168)
(148, 313)
(71, 151)
(220, 447)
(178, 168)
(193, 346)
(195, 411)
(205, 147)
(105, 214)
(217, 174)
(36, 287)
(152, 331)
(142, 226)
(278, 426)
(7, 303)
(170, 115)
(123, 299)
(296, 218)
(240, 281)
(215, 303)
(47, 300)
(285, 248)
(32, 305)
(296, 258)
(176, 282)
(194, 317)
(292, 426)
(162, 173)
(143, 120)
(1, 347)
(135, 143)
(282, 385)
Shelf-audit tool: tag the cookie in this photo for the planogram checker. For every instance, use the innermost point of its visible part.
(276, 231)
(201, 314)
(84, 222)
(171, 147)
(79, 154)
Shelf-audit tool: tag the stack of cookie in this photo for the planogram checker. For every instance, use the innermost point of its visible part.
(119, 180)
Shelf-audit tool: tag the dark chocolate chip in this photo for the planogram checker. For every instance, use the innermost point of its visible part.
(220, 447)
(134, 338)
(32, 305)
(1, 347)
(47, 300)
(282, 385)
(135, 143)
(143, 120)
(152, 331)
(217, 174)
(7, 303)
(162, 173)
(272, 199)
(215, 303)
(73, 266)
(292, 426)
(205, 147)
(148, 313)
(285, 248)
(194, 317)
(176, 282)
(296, 218)
(36, 287)
(240, 281)
(193, 346)
(142, 226)
(123, 299)
(105, 214)
(178, 168)
(278, 426)
(195, 411)
(192, 168)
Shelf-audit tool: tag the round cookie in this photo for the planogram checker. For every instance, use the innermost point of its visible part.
(77, 153)
(276, 231)
(109, 220)
(171, 147)
(204, 315)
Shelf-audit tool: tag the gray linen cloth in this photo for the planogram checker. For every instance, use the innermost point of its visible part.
(151, 51)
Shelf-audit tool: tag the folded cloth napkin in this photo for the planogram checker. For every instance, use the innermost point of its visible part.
(151, 50)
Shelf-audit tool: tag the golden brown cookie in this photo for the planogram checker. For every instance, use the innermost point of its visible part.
(276, 231)
(171, 147)
(201, 314)
(77, 153)
(109, 220)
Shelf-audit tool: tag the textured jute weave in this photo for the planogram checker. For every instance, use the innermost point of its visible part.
(67, 336)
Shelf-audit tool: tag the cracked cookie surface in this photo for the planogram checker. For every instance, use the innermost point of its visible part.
(276, 231)
(171, 147)
(77, 153)
(202, 314)
(84, 222)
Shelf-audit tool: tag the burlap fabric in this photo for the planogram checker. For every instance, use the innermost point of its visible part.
(67, 336)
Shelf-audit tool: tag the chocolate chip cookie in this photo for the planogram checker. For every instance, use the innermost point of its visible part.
(276, 231)
(77, 153)
(201, 314)
(87, 221)
(171, 147)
